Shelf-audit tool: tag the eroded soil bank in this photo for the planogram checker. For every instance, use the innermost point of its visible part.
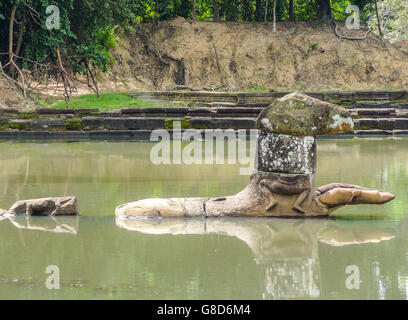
(243, 56)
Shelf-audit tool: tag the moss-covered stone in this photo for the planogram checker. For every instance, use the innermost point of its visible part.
(347, 104)
(201, 126)
(88, 113)
(4, 124)
(48, 124)
(21, 125)
(184, 123)
(335, 101)
(92, 123)
(73, 124)
(343, 103)
(168, 123)
(300, 115)
(28, 115)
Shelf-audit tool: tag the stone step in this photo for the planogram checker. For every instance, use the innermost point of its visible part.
(230, 105)
(386, 105)
(380, 132)
(131, 123)
(247, 100)
(222, 123)
(225, 117)
(268, 97)
(51, 111)
(375, 112)
(253, 111)
(183, 112)
(382, 124)
(134, 123)
(402, 114)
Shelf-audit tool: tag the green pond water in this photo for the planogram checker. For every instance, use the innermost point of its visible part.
(241, 258)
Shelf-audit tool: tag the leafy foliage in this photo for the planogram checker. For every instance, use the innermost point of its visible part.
(86, 35)
(393, 16)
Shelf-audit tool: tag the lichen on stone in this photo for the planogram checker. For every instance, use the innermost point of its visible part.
(300, 115)
(285, 153)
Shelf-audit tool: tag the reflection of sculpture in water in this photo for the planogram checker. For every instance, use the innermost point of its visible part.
(48, 224)
(285, 250)
(283, 182)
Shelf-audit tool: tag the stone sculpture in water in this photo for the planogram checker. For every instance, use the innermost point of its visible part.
(282, 184)
(57, 206)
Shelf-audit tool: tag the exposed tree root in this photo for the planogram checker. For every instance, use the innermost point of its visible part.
(183, 87)
(336, 26)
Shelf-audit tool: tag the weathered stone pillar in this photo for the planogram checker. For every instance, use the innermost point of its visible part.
(282, 183)
(283, 153)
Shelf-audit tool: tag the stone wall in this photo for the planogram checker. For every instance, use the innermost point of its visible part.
(373, 113)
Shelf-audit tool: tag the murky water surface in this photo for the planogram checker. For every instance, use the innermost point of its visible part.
(103, 258)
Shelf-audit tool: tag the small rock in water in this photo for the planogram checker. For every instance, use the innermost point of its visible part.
(300, 115)
(59, 206)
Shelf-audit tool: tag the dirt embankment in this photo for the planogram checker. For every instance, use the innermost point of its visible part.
(243, 56)
(299, 56)
(13, 98)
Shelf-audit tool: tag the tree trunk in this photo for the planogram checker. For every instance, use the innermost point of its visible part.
(266, 10)
(216, 11)
(291, 11)
(194, 13)
(19, 42)
(258, 10)
(378, 19)
(247, 13)
(11, 31)
(20, 37)
(11, 28)
(324, 10)
(274, 15)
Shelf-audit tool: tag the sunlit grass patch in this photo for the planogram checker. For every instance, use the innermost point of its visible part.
(106, 101)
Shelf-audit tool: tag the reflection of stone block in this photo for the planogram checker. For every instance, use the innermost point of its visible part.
(285, 154)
